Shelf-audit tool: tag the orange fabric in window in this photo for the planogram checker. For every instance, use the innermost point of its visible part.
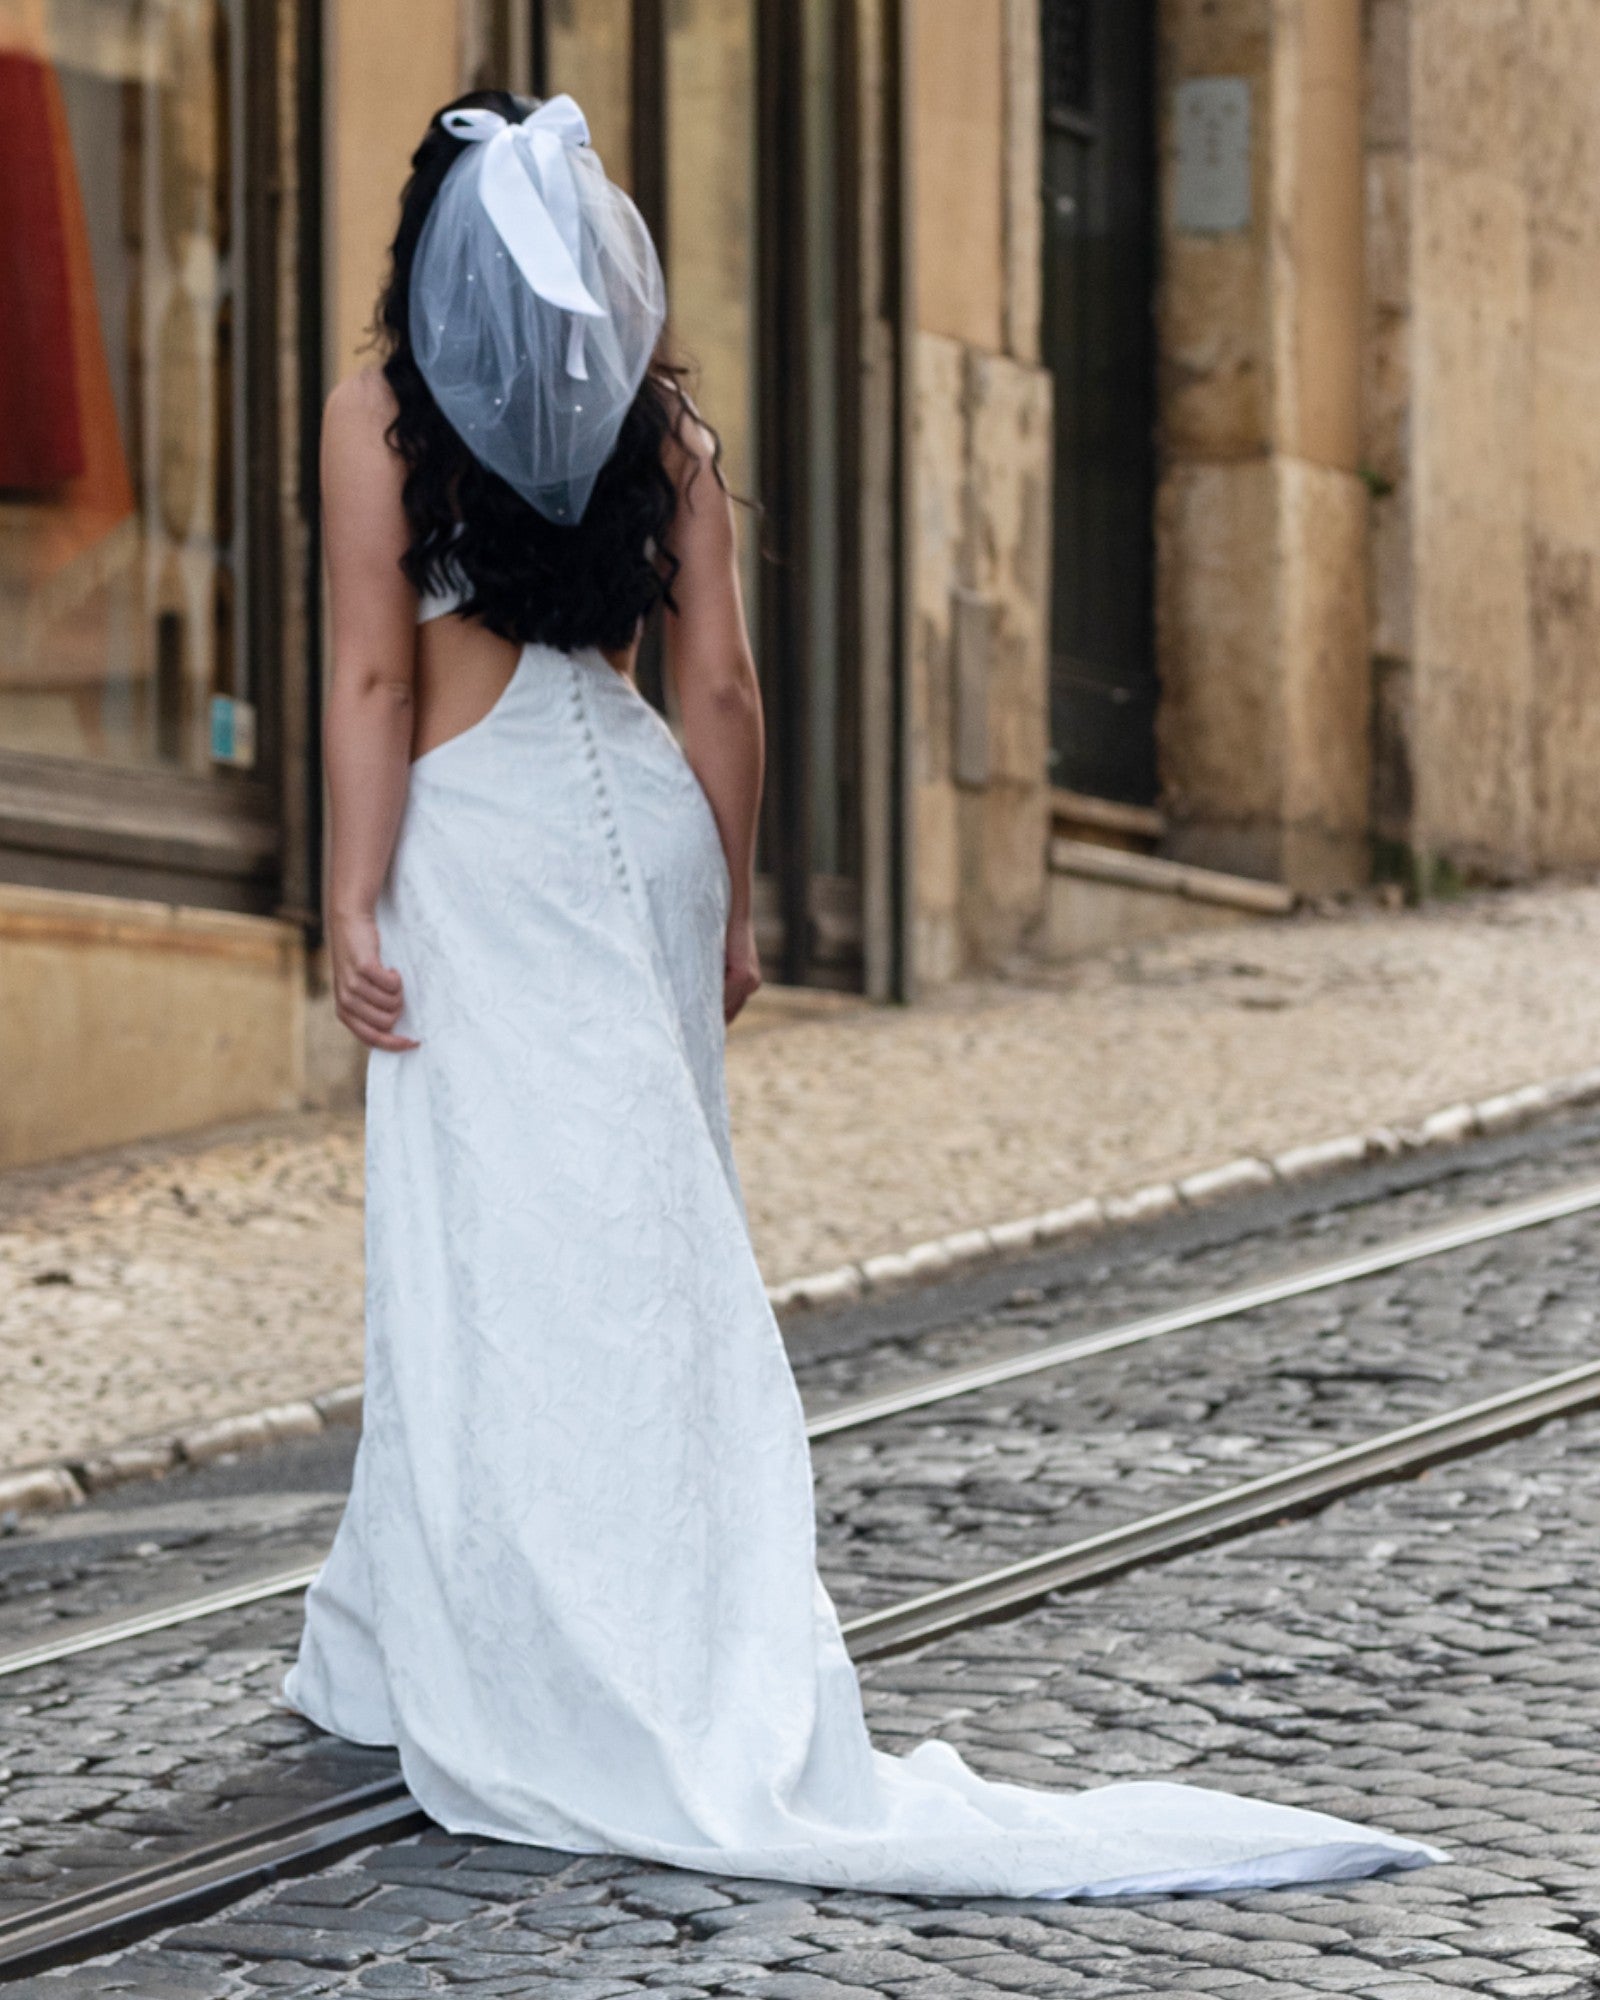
(95, 494)
(41, 439)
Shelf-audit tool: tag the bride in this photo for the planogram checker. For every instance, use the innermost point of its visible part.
(575, 1580)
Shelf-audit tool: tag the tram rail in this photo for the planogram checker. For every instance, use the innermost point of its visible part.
(214, 1875)
(210, 1877)
(1480, 1226)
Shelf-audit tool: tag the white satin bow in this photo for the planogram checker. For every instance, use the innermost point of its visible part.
(536, 214)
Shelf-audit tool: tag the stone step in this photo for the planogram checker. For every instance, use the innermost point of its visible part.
(1106, 822)
(1100, 897)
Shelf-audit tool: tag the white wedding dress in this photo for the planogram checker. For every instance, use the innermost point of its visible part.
(575, 1582)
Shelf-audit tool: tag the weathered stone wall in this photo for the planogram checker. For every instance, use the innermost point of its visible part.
(1483, 427)
(1261, 514)
(1563, 58)
(979, 655)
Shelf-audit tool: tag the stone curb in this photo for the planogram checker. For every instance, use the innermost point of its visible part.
(70, 1481)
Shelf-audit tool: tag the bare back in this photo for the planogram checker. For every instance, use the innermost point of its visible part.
(462, 669)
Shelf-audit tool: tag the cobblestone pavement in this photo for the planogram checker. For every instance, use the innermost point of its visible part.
(179, 1283)
(993, 1477)
(169, 1539)
(160, 1541)
(1424, 1655)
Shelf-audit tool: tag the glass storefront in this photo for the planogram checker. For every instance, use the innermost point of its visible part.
(157, 725)
(120, 516)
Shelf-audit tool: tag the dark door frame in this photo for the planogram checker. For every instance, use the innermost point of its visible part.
(784, 640)
(1099, 284)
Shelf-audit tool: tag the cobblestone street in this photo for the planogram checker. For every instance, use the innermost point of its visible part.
(1424, 1655)
(177, 1284)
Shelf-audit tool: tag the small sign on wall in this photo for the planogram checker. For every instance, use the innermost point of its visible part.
(1211, 123)
(233, 731)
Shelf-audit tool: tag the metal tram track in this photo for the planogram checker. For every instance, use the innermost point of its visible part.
(209, 1877)
(214, 1875)
(1483, 1226)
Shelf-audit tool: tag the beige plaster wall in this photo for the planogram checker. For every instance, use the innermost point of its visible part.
(121, 1019)
(389, 68)
(1264, 725)
(589, 52)
(959, 78)
(711, 182)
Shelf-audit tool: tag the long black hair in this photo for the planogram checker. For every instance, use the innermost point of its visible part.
(584, 584)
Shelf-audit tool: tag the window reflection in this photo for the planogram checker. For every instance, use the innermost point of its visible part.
(116, 463)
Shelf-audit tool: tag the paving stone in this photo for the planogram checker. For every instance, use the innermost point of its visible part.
(249, 1941)
(424, 1902)
(634, 1932)
(809, 1986)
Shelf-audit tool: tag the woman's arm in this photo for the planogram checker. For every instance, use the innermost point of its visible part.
(713, 676)
(368, 719)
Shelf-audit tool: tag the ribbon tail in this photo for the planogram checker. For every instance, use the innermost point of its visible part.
(577, 367)
(518, 212)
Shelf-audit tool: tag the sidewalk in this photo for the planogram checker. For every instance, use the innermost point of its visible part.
(175, 1283)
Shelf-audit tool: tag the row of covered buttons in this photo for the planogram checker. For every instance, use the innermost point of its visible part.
(592, 752)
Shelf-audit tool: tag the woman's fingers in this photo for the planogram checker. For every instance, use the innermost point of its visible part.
(378, 980)
(377, 1031)
(363, 1015)
(374, 1020)
(355, 994)
(374, 1039)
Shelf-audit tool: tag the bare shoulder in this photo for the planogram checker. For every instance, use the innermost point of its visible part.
(690, 446)
(363, 476)
(358, 412)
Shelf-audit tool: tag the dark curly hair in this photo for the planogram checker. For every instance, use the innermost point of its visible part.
(587, 583)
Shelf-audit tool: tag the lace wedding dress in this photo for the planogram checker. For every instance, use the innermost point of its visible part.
(575, 1582)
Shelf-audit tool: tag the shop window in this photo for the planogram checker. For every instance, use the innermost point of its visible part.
(119, 515)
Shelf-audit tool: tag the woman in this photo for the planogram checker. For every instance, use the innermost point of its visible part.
(575, 1583)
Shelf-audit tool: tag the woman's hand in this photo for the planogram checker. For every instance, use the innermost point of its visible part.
(741, 973)
(367, 994)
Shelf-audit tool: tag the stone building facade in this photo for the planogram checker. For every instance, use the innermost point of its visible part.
(1481, 424)
(1179, 484)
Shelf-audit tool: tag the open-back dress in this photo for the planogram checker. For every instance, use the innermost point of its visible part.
(575, 1583)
